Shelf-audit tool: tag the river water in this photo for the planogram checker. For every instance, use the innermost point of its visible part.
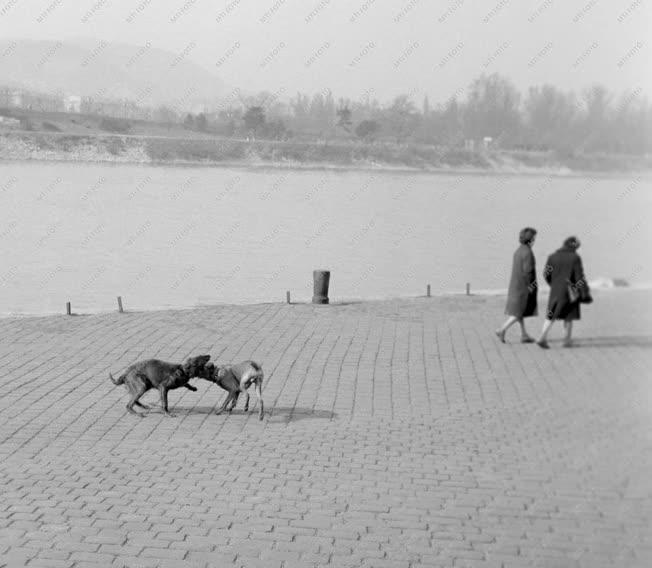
(185, 236)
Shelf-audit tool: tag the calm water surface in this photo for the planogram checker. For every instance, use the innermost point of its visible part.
(183, 236)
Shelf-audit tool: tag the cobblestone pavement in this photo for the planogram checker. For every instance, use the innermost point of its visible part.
(397, 433)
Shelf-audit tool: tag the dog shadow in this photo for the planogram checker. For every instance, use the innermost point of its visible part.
(296, 413)
(276, 414)
(616, 341)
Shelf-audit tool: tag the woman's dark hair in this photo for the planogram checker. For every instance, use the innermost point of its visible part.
(526, 235)
(572, 243)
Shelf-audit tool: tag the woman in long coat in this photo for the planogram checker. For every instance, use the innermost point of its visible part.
(563, 269)
(522, 293)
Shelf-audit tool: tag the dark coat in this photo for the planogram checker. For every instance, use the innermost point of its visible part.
(562, 267)
(522, 293)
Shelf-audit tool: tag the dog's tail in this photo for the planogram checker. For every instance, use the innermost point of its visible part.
(119, 381)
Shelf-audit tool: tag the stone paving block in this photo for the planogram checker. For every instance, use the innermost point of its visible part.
(50, 563)
(162, 553)
(254, 562)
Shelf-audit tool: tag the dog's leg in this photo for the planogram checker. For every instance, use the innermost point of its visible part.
(190, 387)
(234, 399)
(164, 401)
(138, 403)
(259, 394)
(224, 404)
(246, 407)
(137, 389)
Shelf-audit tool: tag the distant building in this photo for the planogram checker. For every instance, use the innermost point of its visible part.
(16, 99)
(72, 103)
(482, 144)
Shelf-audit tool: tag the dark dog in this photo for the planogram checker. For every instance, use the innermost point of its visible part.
(154, 374)
(236, 379)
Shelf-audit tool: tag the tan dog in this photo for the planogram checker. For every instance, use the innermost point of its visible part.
(236, 379)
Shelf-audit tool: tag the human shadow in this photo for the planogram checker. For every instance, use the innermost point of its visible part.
(615, 341)
(336, 304)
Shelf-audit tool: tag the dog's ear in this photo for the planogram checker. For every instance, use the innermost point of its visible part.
(201, 359)
(196, 362)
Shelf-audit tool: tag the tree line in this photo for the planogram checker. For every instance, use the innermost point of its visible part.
(493, 112)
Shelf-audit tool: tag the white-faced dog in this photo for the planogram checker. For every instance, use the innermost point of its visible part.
(236, 379)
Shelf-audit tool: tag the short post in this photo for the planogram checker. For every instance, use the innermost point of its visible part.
(287, 297)
(468, 289)
(321, 279)
(428, 290)
(68, 309)
(120, 305)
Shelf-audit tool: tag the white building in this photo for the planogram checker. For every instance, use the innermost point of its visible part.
(16, 99)
(72, 103)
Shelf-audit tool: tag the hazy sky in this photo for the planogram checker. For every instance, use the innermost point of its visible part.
(376, 47)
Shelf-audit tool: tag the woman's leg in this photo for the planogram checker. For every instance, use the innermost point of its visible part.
(525, 338)
(511, 320)
(568, 328)
(543, 338)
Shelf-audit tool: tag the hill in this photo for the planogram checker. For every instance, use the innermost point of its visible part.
(100, 69)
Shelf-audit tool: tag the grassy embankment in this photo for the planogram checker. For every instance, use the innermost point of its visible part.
(66, 137)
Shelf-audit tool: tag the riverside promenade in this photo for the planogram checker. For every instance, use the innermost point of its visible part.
(397, 434)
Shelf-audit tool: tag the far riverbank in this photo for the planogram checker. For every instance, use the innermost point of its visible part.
(225, 152)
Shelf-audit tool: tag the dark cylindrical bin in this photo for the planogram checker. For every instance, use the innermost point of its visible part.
(321, 279)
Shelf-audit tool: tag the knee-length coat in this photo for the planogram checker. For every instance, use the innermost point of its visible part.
(563, 267)
(522, 293)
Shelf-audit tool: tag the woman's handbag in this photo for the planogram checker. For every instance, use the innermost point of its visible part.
(573, 292)
(585, 294)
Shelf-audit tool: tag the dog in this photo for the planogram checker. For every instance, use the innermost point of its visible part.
(236, 379)
(154, 374)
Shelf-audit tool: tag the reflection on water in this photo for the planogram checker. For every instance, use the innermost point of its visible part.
(177, 236)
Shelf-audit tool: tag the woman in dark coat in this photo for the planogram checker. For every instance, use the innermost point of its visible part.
(563, 268)
(522, 293)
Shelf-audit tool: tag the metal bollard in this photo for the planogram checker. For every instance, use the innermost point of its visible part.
(321, 280)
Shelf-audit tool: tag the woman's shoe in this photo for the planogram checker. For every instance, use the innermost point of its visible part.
(527, 339)
(500, 335)
(543, 344)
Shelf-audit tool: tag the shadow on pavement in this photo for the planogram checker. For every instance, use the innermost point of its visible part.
(276, 414)
(620, 341)
(294, 414)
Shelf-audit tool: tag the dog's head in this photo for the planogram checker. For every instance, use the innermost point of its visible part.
(208, 372)
(196, 366)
